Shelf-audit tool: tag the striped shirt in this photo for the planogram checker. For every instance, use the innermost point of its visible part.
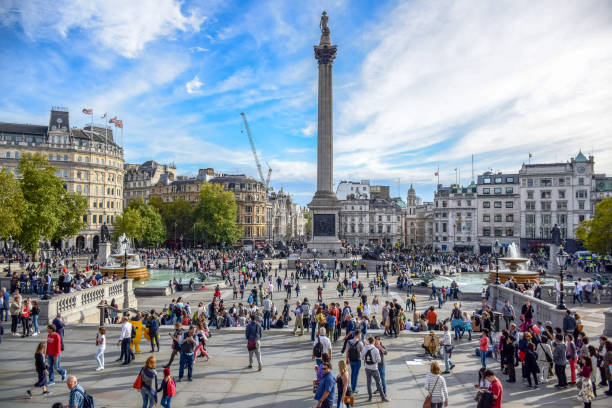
(439, 393)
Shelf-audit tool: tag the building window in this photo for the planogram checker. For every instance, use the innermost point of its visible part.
(530, 231)
(545, 194)
(562, 181)
(486, 231)
(497, 218)
(486, 180)
(249, 209)
(509, 232)
(530, 218)
(529, 182)
(509, 179)
(79, 158)
(497, 190)
(443, 227)
(546, 205)
(486, 191)
(497, 232)
(509, 190)
(85, 218)
(581, 204)
(509, 204)
(468, 202)
(561, 193)
(444, 204)
(509, 218)
(497, 204)
(561, 205)
(561, 219)
(581, 194)
(498, 180)
(530, 205)
(546, 219)
(581, 181)
(486, 204)
(546, 182)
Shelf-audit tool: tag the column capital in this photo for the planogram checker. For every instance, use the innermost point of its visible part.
(325, 54)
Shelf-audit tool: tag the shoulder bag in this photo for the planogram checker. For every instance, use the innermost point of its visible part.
(427, 402)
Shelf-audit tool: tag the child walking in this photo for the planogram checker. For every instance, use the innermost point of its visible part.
(41, 370)
(101, 343)
(168, 389)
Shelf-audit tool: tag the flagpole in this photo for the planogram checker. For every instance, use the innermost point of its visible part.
(438, 174)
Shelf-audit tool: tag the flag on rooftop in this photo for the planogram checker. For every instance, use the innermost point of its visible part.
(87, 111)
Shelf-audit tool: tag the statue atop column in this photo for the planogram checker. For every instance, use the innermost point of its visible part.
(104, 233)
(325, 38)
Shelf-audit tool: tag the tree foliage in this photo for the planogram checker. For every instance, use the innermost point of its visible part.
(215, 215)
(12, 205)
(142, 222)
(50, 212)
(596, 233)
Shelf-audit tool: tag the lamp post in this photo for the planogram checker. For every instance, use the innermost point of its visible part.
(125, 246)
(10, 243)
(561, 261)
(47, 255)
(496, 249)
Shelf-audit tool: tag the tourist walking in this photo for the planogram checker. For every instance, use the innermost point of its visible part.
(41, 370)
(508, 313)
(54, 353)
(124, 340)
(187, 345)
(178, 332)
(253, 334)
(101, 346)
(153, 326)
(371, 357)
(381, 365)
(167, 388)
(353, 358)
(435, 386)
(34, 313)
(572, 356)
(447, 349)
(148, 377)
(495, 388)
(544, 358)
(326, 389)
(531, 365)
(322, 345)
(484, 347)
(342, 383)
(77, 394)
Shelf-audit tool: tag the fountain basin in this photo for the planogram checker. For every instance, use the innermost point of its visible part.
(136, 273)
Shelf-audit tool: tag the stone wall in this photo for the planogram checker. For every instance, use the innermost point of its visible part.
(81, 306)
(544, 311)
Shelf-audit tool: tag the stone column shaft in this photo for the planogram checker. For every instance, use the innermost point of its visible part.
(325, 149)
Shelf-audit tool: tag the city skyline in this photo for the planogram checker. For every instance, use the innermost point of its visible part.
(417, 85)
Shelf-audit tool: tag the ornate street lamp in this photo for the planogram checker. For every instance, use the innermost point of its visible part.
(562, 262)
(10, 243)
(125, 243)
(496, 248)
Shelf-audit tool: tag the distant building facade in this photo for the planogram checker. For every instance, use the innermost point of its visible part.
(88, 161)
(284, 219)
(455, 219)
(140, 178)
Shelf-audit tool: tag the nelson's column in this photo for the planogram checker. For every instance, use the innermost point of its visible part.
(324, 205)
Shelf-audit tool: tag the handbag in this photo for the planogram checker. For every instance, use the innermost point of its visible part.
(138, 383)
(427, 402)
(252, 345)
(348, 399)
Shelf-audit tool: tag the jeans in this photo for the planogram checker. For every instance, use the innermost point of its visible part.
(382, 371)
(166, 402)
(560, 373)
(55, 365)
(15, 323)
(100, 357)
(35, 322)
(25, 325)
(186, 360)
(266, 320)
(374, 374)
(457, 332)
(313, 326)
(125, 350)
(4, 313)
(148, 400)
(483, 358)
(154, 336)
(447, 362)
(355, 366)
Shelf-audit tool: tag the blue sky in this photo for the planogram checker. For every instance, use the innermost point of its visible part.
(417, 84)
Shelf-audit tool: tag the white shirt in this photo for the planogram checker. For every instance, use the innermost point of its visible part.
(102, 338)
(375, 356)
(126, 331)
(325, 342)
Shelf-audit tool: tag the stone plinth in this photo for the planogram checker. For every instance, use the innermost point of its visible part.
(608, 323)
(104, 251)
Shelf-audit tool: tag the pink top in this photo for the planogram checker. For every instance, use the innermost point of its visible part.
(484, 343)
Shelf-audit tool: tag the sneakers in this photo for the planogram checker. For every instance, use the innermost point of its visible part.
(29, 393)
(50, 383)
(35, 334)
(260, 368)
(99, 368)
(47, 392)
(64, 376)
(250, 366)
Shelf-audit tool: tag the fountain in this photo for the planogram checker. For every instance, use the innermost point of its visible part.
(123, 258)
(515, 270)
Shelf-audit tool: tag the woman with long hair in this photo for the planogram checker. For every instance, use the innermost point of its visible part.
(41, 370)
(435, 385)
(149, 383)
(585, 393)
(342, 383)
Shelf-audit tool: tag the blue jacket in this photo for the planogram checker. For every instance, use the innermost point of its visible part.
(253, 331)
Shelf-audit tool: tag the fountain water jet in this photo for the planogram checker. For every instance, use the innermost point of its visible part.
(124, 258)
(514, 270)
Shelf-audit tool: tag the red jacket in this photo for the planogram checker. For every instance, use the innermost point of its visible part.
(54, 344)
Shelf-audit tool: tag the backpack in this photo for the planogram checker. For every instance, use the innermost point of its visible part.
(368, 357)
(353, 352)
(171, 388)
(88, 401)
(318, 349)
(305, 309)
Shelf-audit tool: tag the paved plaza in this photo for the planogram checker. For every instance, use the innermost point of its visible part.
(225, 380)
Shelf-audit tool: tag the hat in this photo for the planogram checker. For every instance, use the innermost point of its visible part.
(166, 371)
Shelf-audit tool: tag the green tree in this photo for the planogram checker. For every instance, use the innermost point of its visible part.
(215, 215)
(179, 219)
(50, 212)
(596, 233)
(142, 222)
(12, 205)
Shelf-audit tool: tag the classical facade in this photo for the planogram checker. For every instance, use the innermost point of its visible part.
(251, 198)
(371, 222)
(284, 219)
(88, 161)
(455, 219)
(425, 224)
(499, 212)
(185, 188)
(140, 178)
(359, 190)
(602, 188)
(555, 194)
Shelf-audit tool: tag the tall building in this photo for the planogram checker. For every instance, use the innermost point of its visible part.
(251, 197)
(140, 178)
(499, 210)
(171, 187)
(88, 161)
(425, 225)
(455, 219)
(602, 188)
(410, 227)
(284, 219)
(358, 190)
(555, 194)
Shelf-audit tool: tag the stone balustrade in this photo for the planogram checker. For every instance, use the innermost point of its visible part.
(81, 306)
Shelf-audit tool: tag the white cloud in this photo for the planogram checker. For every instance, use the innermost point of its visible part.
(198, 49)
(194, 85)
(309, 130)
(124, 27)
(497, 80)
(294, 150)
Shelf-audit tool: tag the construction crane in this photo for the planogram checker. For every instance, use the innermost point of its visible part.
(266, 182)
